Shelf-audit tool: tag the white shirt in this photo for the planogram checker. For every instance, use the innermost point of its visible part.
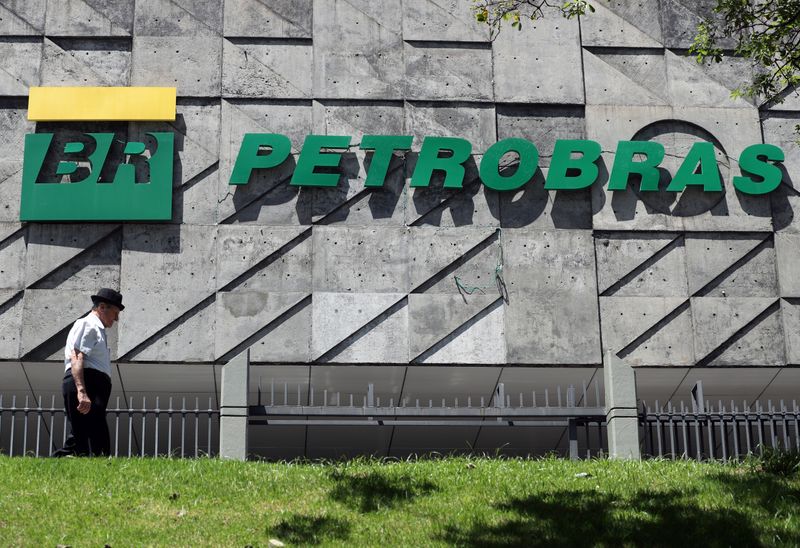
(88, 335)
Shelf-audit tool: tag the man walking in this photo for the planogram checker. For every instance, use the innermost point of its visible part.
(87, 380)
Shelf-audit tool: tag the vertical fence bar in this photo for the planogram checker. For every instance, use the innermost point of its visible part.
(169, 429)
(183, 426)
(116, 429)
(39, 419)
(13, 420)
(130, 427)
(52, 420)
(196, 426)
(25, 426)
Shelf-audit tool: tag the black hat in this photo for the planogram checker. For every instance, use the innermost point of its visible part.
(106, 295)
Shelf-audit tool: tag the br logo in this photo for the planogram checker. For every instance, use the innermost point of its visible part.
(89, 178)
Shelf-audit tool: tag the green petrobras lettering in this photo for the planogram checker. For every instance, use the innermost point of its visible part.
(430, 161)
(699, 168)
(559, 176)
(751, 161)
(624, 165)
(490, 164)
(90, 199)
(249, 158)
(312, 157)
(384, 146)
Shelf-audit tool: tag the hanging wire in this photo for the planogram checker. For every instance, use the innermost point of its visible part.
(498, 275)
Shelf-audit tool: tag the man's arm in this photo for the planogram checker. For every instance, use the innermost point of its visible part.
(84, 403)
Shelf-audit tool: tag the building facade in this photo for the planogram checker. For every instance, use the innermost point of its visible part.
(425, 292)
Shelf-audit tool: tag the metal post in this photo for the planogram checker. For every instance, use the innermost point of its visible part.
(573, 439)
(233, 408)
(622, 417)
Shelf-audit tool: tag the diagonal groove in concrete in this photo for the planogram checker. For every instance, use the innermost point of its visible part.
(359, 333)
(11, 301)
(650, 261)
(111, 22)
(266, 261)
(193, 16)
(730, 341)
(448, 338)
(48, 347)
(17, 16)
(445, 202)
(714, 283)
(101, 76)
(597, 52)
(242, 208)
(199, 177)
(266, 329)
(167, 329)
(652, 330)
(269, 68)
(463, 259)
(357, 197)
(82, 255)
(8, 240)
(281, 16)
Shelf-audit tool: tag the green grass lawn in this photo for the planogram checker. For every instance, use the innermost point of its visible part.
(454, 501)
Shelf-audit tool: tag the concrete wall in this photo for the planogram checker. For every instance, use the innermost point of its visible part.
(354, 275)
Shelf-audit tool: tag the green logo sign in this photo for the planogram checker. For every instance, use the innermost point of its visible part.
(573, 165)
(90, 198)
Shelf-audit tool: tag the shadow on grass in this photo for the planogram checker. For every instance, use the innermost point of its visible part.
(304, 530)
(372, 491)
(580, 518)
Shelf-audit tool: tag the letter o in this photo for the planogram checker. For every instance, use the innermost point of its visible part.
(490, 164)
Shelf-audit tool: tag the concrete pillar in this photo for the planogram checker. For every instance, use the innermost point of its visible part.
(621, 409)
(233, 408)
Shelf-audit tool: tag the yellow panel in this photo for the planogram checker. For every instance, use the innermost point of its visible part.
(69, 104)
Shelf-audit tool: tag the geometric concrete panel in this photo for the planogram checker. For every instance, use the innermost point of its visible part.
(60, 251)
(435, 73)
(623, 23)
(553, 326)
(86, 62)
(343, 322)
(21, 60)
(195, 18)
(168, 257)
(13, 127)
(264, 258)
(790, 313)
(269, 70)
(196, 168)
(476, 123)
(351, 203)
(89, 18)
(641, 265)
(22, 17)
(267, 198)
(254, 319)
(743, 327)
(748, 264)
(625, 77)
(47, 313)
(779, 129)
(436, 256)
(12, 256)
(534, 207)
(366, 61)
(679, 20)
(436, 20)
(706, 85)
(435, 321)
(189, 64)
(545, 262)
(652, 331)
(472, 205)
(541, 64)
(479, 340)
(787, 251)
(188, 340)
(278, 19)
(10, 323)
(729, 129)
(152, 317)
(360, 259)
(334, 117)
(542, 125)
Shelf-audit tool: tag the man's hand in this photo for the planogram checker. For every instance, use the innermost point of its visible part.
(84, 403)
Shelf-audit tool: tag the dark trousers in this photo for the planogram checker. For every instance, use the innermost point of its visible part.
(89, 432)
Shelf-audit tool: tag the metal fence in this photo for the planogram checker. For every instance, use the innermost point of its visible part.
(27, 427)
(570, 410)
(721, 432)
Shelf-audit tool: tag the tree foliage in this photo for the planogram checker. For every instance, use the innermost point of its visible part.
(765, 31)
(495, 13)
